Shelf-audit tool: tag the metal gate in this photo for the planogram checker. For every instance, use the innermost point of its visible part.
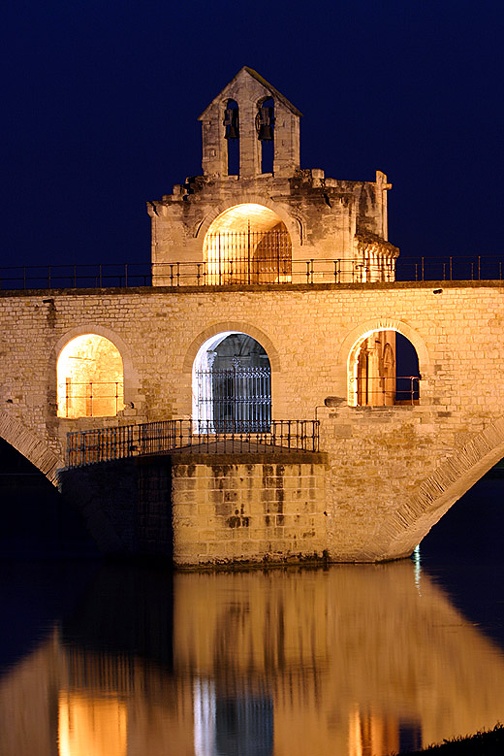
(249, 257)
(235, 399)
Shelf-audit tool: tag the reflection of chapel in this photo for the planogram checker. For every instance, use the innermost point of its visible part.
(256, 218)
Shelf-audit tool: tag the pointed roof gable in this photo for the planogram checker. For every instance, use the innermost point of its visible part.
(269, 87)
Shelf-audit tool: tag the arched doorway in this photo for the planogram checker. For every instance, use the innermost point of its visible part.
(232, 385)
(248, 244)
(90, 378)
(383, 370)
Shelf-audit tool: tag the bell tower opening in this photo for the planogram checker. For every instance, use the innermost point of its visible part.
(255, 112)
(232, 385)
(248, 244)
(265, 125)
(232, 137)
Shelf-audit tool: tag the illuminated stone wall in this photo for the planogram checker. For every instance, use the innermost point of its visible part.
(326, 218)
(393, 471)
(261, 512)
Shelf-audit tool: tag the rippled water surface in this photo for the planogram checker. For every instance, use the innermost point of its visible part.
(116, 660)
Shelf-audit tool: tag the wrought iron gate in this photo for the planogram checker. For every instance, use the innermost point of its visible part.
(249, 257)
(235, 399)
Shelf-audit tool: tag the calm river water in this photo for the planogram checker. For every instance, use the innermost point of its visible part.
(118, 660)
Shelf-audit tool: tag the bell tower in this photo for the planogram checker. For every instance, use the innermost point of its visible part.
(252, 118)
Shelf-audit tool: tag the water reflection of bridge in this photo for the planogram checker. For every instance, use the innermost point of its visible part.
(285, 662)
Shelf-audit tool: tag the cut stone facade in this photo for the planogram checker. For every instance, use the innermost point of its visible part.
(326, 219)
(287, 277)
(392, 471)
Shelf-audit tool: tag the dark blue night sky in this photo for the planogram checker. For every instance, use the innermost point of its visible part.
(101, 99)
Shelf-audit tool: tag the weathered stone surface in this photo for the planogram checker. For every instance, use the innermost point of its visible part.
(392, 471)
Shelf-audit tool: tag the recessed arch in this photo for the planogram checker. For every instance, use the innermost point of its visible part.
(292, 223)
(371, 372)
(130, 376)
(236, 326)
(384, 324)
(90, 378)
(231, 385)
(248, 244)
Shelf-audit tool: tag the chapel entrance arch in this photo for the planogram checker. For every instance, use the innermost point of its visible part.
(232, 385)
(248, 244)
(383, 370)
(90, 378)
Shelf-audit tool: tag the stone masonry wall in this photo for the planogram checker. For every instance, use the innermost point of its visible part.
(392, 471)
(271, 512)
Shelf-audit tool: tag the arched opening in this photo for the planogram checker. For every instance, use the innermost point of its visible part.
(90, 378)
(248, 244)
(383, 370)
(232, 385)
(232, 136)
(265, 127)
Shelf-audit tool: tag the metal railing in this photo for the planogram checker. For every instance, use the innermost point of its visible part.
(90, 398)
(193, 436)
(240, 272)
(248, 257)
(451, 268)
(379, 391)
(92, 276)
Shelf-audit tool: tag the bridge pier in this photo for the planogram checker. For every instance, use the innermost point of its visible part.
(206, 509)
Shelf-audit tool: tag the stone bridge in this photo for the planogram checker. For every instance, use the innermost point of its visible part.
(384, 474)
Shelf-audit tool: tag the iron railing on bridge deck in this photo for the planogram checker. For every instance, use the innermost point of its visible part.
(203, 274)
(193, 436)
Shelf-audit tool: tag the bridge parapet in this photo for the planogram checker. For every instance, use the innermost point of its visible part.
(244, 272)
(193, 436)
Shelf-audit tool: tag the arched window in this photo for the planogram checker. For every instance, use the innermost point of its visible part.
(232, 136)
(232, 385)
(90, 378)
(265, 127)
(384, 370)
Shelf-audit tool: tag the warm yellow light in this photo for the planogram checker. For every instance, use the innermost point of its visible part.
(91, 726)
(238, 218)
(90, 378)
(248, 243)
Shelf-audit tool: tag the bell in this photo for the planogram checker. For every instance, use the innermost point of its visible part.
(265, 133)
(231, 123)
(264, 123)
(232, 132)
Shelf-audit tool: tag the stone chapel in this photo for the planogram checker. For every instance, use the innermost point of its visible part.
(255, 217)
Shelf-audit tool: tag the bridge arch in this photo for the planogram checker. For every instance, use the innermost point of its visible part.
(350, 353)
(31, 446)
(124, 366)
(451, 479)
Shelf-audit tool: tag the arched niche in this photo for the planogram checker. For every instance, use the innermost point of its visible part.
(231, 385)
(383, 370)
(248, 244)
(90, 377)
